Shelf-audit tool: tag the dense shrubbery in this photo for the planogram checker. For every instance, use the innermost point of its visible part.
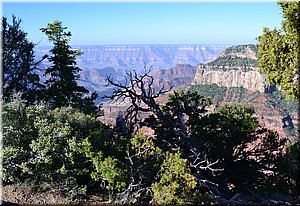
(176, 183)
(243, 148)
(46, 147)
(220, 153)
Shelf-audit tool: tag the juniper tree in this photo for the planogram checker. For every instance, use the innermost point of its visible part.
(19, 66)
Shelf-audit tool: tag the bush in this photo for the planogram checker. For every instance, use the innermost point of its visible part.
(46, 147)
(18, 132)
(233, 136)
(176, 184)
(107, 170)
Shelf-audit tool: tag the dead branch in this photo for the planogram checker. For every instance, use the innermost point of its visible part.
(139, 91)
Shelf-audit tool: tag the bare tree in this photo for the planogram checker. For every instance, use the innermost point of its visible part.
(139, 91)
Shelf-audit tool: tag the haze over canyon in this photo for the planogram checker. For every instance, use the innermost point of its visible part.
(232, 72)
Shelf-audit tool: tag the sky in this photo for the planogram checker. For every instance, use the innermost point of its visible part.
(115, 23)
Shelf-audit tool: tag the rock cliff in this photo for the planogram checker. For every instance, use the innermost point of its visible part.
(236, 67)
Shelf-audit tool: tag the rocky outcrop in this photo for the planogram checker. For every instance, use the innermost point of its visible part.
(251, 80)
(236, 67)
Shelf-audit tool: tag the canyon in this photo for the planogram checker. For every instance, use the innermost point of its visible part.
(124, 57)
(99, 61)
(234, 69)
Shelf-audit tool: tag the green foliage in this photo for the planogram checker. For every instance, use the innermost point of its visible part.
(212, 91)
(74, 152)
(19, 67)
(57, 150)
(228, 134)
(18, 132)
(57, 147)
(62, 87)
(108, 170)
(278, 51)
(176, 184)
(46, 146)
(147, 159)
(144, 146)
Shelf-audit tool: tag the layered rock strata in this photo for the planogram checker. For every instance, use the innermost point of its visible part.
(236, 67)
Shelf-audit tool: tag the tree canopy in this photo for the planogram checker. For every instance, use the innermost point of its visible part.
(19, 66)
(278, 51)
(62, 86)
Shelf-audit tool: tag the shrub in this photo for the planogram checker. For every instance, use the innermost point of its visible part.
(18, 132)
(176, 184)
(107, 170)
(46, 147)
(233, 136)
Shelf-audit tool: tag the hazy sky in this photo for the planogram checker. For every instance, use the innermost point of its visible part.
(149, 23)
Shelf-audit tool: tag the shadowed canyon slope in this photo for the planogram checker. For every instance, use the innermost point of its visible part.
(181, 74)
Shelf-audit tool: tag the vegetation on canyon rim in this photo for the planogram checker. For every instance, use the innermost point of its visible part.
(52, 137)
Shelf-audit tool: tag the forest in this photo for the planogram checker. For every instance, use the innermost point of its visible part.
(53, 138)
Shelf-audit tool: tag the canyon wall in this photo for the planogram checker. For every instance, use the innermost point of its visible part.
(251, 80)
(237, 66)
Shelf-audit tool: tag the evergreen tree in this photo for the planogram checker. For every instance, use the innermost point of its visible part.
(19, 67)
(278, 51)
(62, 87)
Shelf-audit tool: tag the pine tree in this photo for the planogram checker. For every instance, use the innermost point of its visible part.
(62, 87)
(19, 66)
